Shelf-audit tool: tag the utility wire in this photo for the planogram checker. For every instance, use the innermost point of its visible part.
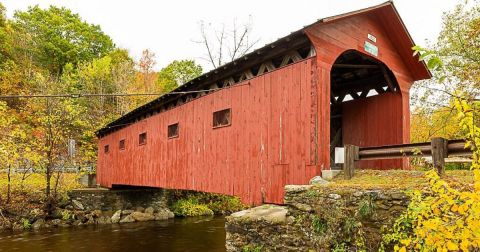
(112, 95)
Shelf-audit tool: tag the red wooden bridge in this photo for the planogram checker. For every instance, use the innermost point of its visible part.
(274, 116)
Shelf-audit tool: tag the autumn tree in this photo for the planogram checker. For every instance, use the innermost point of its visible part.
(177, 73)
(145, 65)
(455, 67)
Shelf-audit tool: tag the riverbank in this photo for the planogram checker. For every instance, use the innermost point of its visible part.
(340, 215)
(77, 206)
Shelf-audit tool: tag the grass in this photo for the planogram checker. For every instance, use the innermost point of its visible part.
(400, 179)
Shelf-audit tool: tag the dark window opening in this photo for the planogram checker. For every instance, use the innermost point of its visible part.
(222, 118)
(173, 130)
(142, 138)
(121, 144)
(106, 148)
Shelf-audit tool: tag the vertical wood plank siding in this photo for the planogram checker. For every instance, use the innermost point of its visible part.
(264, 148)
(378, 120)
(280, 125)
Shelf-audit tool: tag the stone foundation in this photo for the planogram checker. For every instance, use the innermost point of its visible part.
(123, 199)
(317, 218)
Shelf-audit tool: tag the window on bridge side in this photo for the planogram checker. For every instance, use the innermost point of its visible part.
(106, 149)
(142, 138)
(173, 130)
(121, 144)
(222, 118)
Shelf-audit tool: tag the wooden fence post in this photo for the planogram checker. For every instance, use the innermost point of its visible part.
(351, 154)
(439, 153)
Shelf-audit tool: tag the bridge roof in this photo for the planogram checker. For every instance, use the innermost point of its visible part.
(385, 12)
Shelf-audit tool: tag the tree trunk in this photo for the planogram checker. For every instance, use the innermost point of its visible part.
(48, 179)
(9, 179)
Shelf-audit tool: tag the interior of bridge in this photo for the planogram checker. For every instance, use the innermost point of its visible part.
(354, 76)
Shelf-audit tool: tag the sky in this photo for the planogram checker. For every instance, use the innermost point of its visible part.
(170, 28)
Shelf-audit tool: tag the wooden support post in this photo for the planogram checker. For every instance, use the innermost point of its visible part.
(439, 153)
(351, 154)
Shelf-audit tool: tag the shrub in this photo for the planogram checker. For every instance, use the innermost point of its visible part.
(25, 223)
(190, 207)
(217, 203)
(366, 207)
(223, 204)
(447, 219)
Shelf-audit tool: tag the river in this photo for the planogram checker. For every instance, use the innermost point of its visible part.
(179, 234)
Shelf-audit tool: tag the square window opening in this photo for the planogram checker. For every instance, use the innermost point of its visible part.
(121, 144)
(173, 130)
(106, 149)
(222, 118)
(142, 138)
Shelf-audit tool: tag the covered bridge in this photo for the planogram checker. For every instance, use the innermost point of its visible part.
(274, 116)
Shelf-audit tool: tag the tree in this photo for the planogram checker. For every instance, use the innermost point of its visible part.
(455, 63)
(224, 44)
(178, 73)
(146, 64)
(446, 217)
(56, 36)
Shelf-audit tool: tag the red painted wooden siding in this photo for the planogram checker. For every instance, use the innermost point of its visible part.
(267, 145)
(280, 125)
(330, 41)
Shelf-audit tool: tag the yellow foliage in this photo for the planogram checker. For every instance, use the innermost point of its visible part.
(445, 218)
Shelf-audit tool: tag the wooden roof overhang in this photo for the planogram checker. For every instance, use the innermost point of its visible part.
(290, 49)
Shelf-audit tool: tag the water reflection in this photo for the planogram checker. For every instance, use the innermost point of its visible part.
(189, 234)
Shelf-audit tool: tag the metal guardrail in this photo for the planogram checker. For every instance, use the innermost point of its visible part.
(438, 149)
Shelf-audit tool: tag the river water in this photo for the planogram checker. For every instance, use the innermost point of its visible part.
(179, 234)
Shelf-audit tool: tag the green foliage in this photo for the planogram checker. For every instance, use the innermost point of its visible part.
(447, 218)
(66, 215)
(25, 223)
(341, 247)
(223, 204)
(312, 193)
(190, 207)
(252, 248)
(366, 207)
(219, 204)
(56, 37)
(319, 225)
(178, 73)
(334, 228)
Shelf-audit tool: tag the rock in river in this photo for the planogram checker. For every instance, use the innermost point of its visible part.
(139, 216)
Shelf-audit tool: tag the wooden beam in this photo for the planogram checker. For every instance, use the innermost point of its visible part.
(266, 66)
(354, 66)
(439, 153)
(354, 95)
(356, 84)
(332, 98)
(351, 154)
(341, 97)
(246, 75)
(312, 52)
(387, 78)
(364, 93)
